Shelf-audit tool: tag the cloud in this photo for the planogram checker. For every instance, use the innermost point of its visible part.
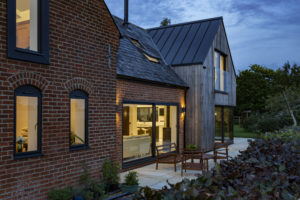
(259, 31)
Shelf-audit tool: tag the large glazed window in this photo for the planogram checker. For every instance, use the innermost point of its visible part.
(78, 119)
(228, 124)
(27, 19)
(224, 124)
(220, 72)
(166, 125)
(27, 120)
(218, 123)
(28, 30)
(137, 131)
(146, 126)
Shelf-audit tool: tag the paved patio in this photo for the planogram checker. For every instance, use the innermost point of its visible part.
(156, 179)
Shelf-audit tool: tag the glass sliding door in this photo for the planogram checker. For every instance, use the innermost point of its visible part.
(228, 124)
(224, 124)
(146, 126)
(166, 125)
(218, 123)
(137, 131)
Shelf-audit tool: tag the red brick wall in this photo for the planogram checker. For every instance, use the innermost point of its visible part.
(79, 34)
(129, 90)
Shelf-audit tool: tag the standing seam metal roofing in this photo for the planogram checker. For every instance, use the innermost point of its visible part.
(186, 43)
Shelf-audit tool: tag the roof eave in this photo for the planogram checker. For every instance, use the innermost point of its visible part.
(130, 78)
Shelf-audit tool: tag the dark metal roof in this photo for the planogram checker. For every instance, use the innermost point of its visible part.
(186, 43)
(132, 63)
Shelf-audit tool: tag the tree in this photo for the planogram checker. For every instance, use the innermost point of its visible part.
(254, 85)
(286, 81)
(165, 22)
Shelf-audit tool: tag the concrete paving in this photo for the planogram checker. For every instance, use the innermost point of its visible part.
(156, 179)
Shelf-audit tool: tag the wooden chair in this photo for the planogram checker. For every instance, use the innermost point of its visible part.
(188, 161)
(167, 154)
(220, 150)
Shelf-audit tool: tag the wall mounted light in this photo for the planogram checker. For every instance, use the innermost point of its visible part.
(183, 109)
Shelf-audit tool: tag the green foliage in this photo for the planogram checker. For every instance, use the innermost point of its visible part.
(110, 172)
(266, 122)
(61, 194)
(90, 189)
(267, 169)
(165, 22)
(131, 178)
(73, 137)
(191, 147)
(254, 85)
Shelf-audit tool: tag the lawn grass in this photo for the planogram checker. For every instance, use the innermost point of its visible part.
(240, 132)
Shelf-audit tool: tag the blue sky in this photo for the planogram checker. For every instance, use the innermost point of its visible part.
(265, 32)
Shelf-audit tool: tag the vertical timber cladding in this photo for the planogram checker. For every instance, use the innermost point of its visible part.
(220, 43)
(201, 97)
(193, 120)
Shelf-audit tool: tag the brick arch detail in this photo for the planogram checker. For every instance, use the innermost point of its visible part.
(28, 78)
(79, 83)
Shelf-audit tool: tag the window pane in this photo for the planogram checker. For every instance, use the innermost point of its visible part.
(166, 125)
(77, 121)
(27, 24)
(222, 73)
(217, 71)
(137, 131)
(218, 123)
(26, 124)
(228, 124)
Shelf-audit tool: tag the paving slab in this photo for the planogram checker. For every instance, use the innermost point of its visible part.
(156, 179)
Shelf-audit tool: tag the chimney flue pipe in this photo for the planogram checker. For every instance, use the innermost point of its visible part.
(125, 11)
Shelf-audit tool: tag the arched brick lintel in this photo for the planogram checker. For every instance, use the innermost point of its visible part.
(79, 83)
(28, 78)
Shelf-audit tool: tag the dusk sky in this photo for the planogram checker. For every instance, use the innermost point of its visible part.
(265, 32)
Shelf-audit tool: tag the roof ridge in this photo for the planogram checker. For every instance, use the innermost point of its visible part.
(114, 16)
(185, 23)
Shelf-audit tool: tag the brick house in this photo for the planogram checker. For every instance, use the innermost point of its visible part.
(58, 93)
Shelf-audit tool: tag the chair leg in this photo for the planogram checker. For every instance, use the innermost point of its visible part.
(156, 165)
(206, 165)
(175, 166)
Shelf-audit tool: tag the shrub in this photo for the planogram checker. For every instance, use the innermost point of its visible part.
(111, 176)
(191, 147)
(267, 122)
(90, 189)
(131, 179)
(267, 169)
(61, 194)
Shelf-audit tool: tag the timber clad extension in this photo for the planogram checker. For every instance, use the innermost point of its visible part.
(80, 32)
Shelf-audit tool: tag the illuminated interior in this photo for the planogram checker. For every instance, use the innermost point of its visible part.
(220, 72)
(27, 24)
(138, 128)
(26, 124)
(77, 121)
(152, 59)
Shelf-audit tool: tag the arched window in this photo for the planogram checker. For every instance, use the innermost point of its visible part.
(78, 119)
(27, 121)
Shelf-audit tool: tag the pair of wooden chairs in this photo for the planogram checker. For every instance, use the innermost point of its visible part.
(169, 154)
